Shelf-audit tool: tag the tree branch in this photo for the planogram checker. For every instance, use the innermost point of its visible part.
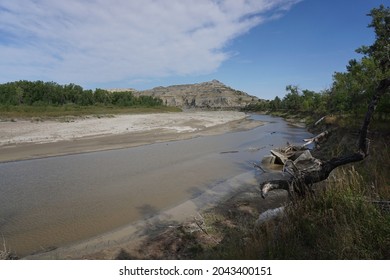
(299, 181)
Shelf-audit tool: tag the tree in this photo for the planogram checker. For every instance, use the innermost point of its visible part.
(298, 181)
(275, 104)
(292, 100)
(19, 95)
(380, 50)
(308, 98)
(102, 96)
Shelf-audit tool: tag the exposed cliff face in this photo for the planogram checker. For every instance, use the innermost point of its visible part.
(211, 95)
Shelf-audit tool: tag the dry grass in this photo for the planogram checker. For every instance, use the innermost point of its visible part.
(338, 222)
(71, 110)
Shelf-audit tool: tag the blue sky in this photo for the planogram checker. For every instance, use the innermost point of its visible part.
(257, 46)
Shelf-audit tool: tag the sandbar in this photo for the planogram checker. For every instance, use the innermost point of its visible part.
(27, 139)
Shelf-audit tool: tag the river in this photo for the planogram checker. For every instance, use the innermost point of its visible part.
(52, 202)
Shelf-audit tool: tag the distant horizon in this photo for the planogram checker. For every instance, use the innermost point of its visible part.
(135, 89)
(258, 47)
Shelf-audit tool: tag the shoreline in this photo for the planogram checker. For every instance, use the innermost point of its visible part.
(41, 140)
(129, 235)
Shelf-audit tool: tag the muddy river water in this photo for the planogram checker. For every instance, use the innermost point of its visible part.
(52, 202)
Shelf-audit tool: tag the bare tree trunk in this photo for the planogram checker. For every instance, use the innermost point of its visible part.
(300, 181)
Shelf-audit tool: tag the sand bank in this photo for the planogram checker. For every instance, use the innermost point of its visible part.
(25, 139)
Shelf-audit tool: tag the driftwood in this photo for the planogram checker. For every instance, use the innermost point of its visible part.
(320, 120)
(298, 180)
(316, 139)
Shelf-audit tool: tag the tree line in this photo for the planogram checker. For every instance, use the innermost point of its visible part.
(351, 90)
(39, 93)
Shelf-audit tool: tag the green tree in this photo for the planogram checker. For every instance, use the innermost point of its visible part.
(102, 96)
(19, 95)
(380, 50)
(352, 90)
(308, 100)
(292, 100)
(275, 104)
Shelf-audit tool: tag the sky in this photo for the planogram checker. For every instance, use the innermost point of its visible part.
(257, 46)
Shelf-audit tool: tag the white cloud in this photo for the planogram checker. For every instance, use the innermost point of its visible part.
(101, 41)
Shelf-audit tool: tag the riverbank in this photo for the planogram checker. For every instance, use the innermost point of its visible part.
(175, 175)
(197, 224)
(177, 233)
(352, 202)
(27, 139)
(228, 231)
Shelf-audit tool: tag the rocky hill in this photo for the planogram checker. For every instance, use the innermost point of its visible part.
(208, 95)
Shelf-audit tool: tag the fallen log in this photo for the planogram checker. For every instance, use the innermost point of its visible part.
(299, 181)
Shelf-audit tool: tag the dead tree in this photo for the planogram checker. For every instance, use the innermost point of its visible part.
(297, 181)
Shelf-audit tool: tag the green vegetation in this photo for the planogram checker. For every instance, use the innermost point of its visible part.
(339, 222)
(23, 99)
(343, 219)
(351, 91)
(40, 93)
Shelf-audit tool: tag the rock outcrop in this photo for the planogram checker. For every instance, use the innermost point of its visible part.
(208, 95)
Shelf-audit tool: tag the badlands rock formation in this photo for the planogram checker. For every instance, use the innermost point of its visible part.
(207, 95)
